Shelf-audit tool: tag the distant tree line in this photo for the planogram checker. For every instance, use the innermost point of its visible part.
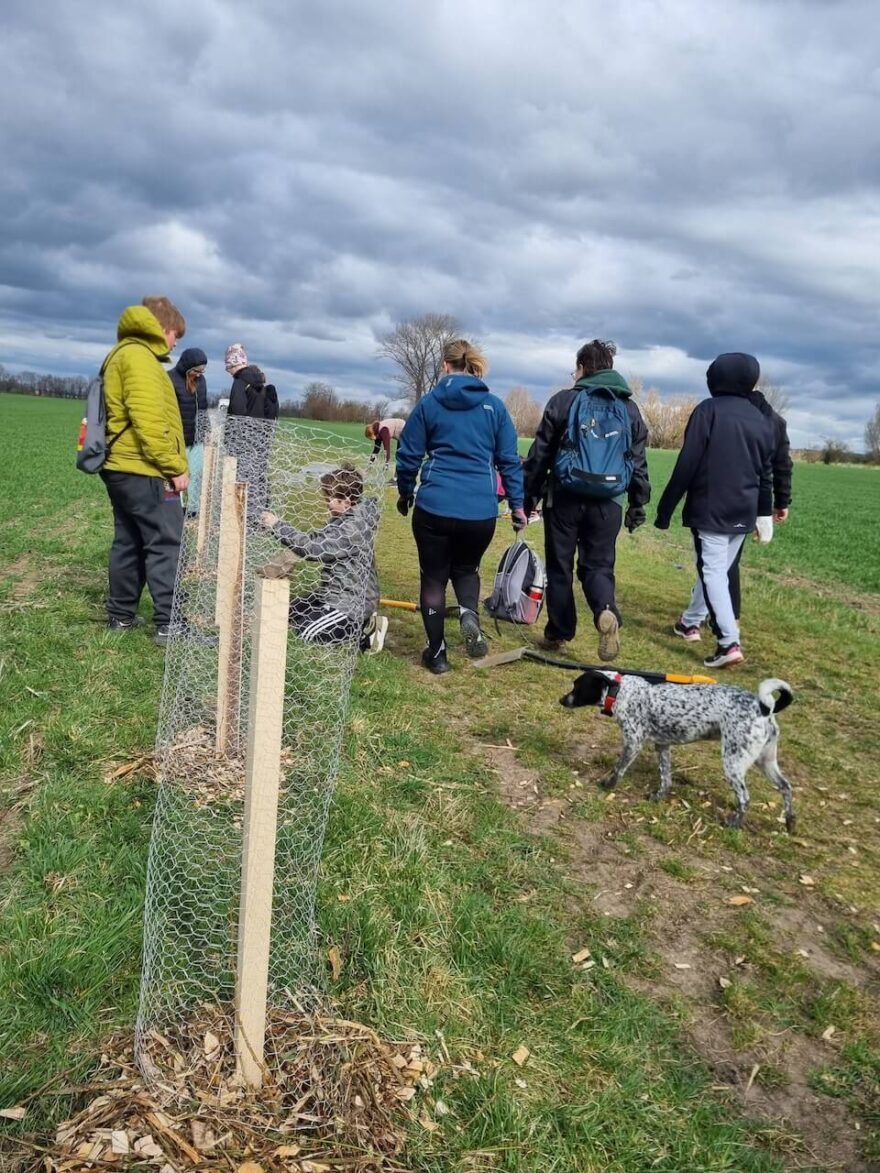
(31, 383)
(319, 401)
(415, 346)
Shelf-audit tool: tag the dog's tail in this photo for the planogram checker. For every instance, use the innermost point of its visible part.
(769, 703)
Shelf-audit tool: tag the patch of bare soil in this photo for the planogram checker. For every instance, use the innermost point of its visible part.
(9, 824)
(833, 592)
(26, 577)
(770, 1082)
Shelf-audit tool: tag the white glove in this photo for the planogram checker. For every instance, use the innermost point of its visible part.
(764, 530)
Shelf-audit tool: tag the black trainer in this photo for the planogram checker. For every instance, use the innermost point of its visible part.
(475, 644)
(725, 657)
(436, 663)
(184, 631)
(122, 625)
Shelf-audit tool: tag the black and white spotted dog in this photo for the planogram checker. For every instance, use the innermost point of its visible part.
(674, 714)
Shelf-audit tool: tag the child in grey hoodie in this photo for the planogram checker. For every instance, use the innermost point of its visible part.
(342, 608)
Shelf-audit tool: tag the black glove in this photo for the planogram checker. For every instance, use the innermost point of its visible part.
(404, 504)
(635, 516)
(661, 522)
(518, 520)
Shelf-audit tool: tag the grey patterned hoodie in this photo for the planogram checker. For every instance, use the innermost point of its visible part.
(345, 548)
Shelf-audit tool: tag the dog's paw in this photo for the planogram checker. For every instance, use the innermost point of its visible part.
(608, 782)
(735, 819)
(790, 821)
(657, 795)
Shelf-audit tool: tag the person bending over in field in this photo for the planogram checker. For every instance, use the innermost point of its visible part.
(382, 432)
(339, 610)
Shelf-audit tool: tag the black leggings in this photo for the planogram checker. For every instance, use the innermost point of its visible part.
(449, 548)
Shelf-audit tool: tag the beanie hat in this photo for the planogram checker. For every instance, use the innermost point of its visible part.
(192, 357)
(236, 356)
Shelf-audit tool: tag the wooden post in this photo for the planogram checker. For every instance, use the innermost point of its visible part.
(206, 500)
(265, 718)
(228, 531)
(230, 571)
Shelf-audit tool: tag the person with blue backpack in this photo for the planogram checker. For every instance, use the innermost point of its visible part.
(453, 442)
(588, 452)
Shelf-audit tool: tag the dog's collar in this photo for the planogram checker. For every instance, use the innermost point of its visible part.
(610, 698)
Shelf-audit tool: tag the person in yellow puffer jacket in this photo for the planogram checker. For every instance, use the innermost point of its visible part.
(146, 468)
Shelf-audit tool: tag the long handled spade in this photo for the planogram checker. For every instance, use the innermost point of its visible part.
(403, 605)
(576, 666)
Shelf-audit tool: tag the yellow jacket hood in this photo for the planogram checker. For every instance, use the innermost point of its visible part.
(136, 321)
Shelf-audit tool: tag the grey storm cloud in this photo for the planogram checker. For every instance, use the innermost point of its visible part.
(682, 177)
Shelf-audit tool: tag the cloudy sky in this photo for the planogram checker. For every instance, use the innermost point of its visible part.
(684, 177)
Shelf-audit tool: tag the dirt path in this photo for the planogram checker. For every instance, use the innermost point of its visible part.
(769, 1082)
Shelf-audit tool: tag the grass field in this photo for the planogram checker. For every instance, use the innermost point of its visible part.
(469, 855)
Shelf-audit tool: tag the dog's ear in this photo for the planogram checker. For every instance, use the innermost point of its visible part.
(586, 690)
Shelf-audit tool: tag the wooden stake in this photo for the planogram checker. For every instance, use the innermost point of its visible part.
(230, 573)
(265, 718)
(228, 531)
(206, 500)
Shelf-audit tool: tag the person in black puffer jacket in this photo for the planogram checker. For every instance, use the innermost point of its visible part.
(725, 473)
(191, 389)
(188, 379)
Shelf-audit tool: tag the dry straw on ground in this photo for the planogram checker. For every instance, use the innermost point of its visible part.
(335, 1097)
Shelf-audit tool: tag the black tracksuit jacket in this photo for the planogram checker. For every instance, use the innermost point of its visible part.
(782, 462)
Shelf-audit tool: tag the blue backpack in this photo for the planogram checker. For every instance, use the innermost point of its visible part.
(593, 457)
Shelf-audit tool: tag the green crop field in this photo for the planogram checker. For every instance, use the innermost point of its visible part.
(730, 1016)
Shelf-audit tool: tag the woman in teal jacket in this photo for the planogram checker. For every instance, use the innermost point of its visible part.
(455, 439)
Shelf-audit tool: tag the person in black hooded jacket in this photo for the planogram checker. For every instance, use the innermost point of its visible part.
(250, 398)
(782, 470)
(725, 472)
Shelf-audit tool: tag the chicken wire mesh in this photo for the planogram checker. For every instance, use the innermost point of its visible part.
(275, 592)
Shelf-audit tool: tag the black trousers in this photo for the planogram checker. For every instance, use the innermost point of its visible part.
(147, 528)
(449, 548)
(589, 529)
(317, 622)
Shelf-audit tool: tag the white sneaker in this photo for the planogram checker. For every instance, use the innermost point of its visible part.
(377, 635)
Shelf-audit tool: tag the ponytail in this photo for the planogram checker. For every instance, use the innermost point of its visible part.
(461, 355)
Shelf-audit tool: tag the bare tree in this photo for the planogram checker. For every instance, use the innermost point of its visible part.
(775, 394)
(525, 411)
(320, 401)
(416, 345)
(872, 436)
(835, 451)
(665, 418)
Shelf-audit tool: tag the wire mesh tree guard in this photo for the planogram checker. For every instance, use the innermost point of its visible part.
(265, 633)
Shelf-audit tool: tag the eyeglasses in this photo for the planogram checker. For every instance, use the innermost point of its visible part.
(196, 371)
